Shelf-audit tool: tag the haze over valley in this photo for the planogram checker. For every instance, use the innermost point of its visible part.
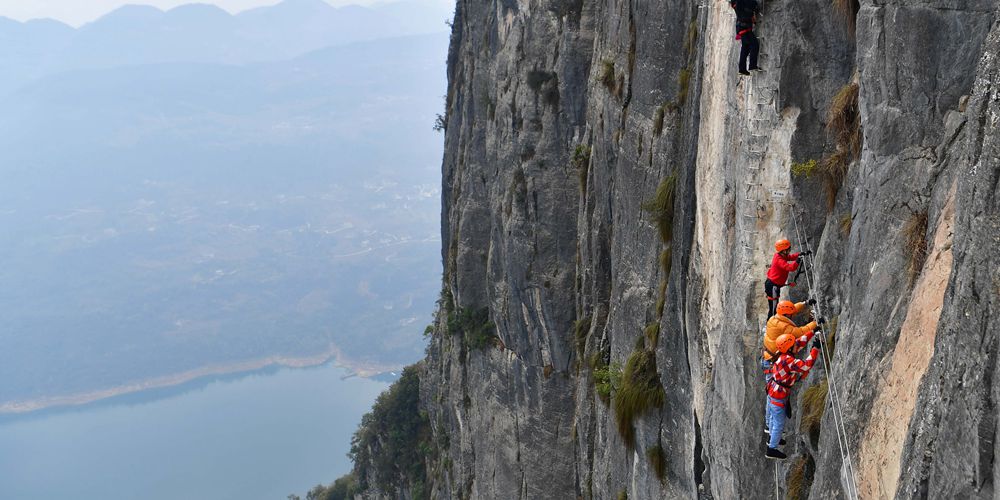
(192, 189)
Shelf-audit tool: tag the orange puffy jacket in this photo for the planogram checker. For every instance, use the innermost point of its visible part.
(778, 325)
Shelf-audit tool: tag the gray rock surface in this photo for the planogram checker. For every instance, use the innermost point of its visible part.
(563, 118)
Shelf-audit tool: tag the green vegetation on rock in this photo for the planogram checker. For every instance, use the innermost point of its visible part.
(394, 439)
(473, 327)
(640, 391)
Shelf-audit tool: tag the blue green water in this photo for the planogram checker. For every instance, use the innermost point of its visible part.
(260, 436)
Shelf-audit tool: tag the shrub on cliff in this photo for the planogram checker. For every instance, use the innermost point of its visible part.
(661, 207)
(607, 380)
(800, 478)
(844, 125)
(813, 406)
(915, 243)
(473, 326)
(640, 392)
(391, 445)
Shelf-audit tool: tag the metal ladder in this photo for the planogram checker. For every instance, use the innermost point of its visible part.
(762, 94)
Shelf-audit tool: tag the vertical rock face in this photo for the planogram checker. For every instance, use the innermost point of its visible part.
(612, 189)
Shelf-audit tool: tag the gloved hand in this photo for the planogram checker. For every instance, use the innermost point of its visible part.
(788, 408)
(807, 252)
(811, 302)
(821, 321)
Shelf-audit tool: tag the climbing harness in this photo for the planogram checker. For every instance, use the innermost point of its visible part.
(832, 391)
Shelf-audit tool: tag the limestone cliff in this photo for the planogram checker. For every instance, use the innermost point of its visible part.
(612, 191)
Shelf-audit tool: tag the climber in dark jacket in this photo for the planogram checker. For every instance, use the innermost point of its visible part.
(746, 15)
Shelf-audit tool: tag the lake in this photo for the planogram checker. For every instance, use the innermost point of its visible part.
(257, 436)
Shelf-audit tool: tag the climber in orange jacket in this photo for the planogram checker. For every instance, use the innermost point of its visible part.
(781, 323)
(782, 263)
(786, 371)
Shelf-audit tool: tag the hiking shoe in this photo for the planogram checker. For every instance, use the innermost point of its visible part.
(775, 454)
(744, 72)
(758, 68)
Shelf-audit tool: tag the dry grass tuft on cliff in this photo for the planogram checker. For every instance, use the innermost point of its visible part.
(666, 258)
(800, 478)
(652, 334)
(657, 461)
(813, 406)
(640, 392)
(658, 120)
(848, 10)
(683, 85)
(845, 224)
(608, 78)
(831, 337)
(661, 300)
(915, 243)
(844, 120)
(844, 125)
(834, 169)
(582, 330)
(581, 160)
(661, 207)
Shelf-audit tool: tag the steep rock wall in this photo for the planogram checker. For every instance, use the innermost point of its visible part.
(568, 122)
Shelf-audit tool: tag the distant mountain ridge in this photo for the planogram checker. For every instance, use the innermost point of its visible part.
(201, 33)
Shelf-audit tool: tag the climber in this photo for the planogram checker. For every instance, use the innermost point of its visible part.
(782, 264)
(781, 324)
(786, 371)
(746, 15)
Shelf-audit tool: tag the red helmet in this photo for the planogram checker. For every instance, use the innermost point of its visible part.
(785, 342)
(782, 245)
(786, 307)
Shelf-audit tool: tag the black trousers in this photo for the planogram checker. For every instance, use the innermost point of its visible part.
(750, 48)
(773, 292)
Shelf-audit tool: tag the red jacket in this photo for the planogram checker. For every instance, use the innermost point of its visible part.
(786, 371)
(781, 266)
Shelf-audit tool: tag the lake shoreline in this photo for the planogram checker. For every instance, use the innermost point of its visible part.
(333, 354)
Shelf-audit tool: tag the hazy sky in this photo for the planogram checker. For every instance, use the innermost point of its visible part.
(77, 12)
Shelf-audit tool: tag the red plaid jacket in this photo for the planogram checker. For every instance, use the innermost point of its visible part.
(786, 371)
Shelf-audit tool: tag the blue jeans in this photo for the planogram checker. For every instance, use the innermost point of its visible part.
(775, 420)
(765, 366)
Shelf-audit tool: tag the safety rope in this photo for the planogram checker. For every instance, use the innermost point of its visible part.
(832, 391)
(777, 495)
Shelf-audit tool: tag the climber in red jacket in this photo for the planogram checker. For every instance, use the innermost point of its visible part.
(782, 264)
(786, 371)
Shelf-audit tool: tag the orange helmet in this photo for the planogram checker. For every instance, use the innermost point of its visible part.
(785, 342)
(786, 307)
(782, 245)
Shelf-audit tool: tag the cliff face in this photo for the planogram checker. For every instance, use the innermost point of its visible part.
(612, 191)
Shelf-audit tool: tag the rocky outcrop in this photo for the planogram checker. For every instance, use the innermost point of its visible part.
(612, 190)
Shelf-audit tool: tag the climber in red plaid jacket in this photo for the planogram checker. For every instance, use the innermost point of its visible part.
(787, 370)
